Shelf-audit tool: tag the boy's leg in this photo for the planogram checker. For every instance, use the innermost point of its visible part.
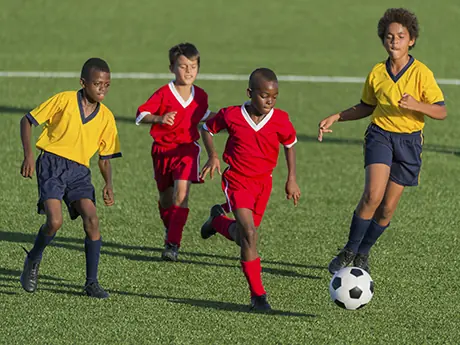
(164, 206)
(53, 211)
(379, 223)
(93, 242)
(250, 260)
(178, 214)
(377, 176)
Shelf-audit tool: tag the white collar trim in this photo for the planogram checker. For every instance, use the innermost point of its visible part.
(251, 123)
(179, 98)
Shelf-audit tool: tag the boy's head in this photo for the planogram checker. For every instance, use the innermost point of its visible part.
(398, 29)
(184, 62)
(95, 79)
(263, 90)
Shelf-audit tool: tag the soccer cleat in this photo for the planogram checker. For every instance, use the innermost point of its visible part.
(170, 252)
(343, 259)
(260, 304)
(207, 230)
(95, 290)
(362, 261)
(29, 275)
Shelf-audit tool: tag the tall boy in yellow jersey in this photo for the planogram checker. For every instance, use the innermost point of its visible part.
(398, 93)
(77, 125)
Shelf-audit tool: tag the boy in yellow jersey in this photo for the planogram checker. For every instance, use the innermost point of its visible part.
(77, 125)
(398, 93)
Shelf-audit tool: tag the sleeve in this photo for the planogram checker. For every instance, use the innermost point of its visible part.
(431, 92)
(45, 111)
(109, 146)
(205, 107)
(368, 96)
(217, 123)
(287, 134)
(150, 107)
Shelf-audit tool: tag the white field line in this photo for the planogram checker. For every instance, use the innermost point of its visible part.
(203, 76)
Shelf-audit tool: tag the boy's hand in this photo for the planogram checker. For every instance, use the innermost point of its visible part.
(27, 167)
(408, 102)
(168, 118)
(210, 167)
(323, 126)
(107, 195)
(292, 191)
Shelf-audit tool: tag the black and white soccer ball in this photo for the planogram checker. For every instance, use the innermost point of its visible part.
(351, 288)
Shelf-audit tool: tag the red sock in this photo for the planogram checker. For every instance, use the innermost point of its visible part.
(221, 224)
(177, 219)
(253, 272)
(164, 214)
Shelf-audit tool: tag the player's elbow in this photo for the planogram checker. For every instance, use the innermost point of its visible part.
(443, 113)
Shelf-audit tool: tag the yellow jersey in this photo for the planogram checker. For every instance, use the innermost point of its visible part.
(69, 134)
(383, 90)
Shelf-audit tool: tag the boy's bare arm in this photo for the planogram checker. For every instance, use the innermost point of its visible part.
(166, 119)
(292, 188)
(106, 171)
(213, 162)
(27, 167)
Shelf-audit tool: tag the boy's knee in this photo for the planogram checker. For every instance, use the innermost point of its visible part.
(53, 224)
(384, 213)
(249, 233)
(372, 199)
(91, 222)
(181, 198)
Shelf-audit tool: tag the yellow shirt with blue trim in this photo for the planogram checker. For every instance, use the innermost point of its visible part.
(69, 134)
(383, 90)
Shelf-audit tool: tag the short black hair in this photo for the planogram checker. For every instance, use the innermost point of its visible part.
(187, 49)
(93, 63)
(260, 74)
(402, 16)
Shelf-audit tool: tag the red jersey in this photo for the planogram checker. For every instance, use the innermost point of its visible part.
(189, 114)
(252, 149)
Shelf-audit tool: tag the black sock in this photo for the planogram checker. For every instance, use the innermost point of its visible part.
(358, 229)
(41, 241)
(92, 251)
(373, 233)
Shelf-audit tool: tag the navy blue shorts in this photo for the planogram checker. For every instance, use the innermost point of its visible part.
(401, 152)
(62, 179)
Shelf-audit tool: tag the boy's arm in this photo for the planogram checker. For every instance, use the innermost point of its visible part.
(213, 162)
(435, 111)
(106, 171)
(27, 167)
(292, 189)
(166, 119)
(359, 111)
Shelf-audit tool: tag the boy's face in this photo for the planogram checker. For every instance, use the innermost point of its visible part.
(97, 86)
(397, 41)
(185, 70)
(263, 97)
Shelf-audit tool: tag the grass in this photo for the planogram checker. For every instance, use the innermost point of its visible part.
(203, 298)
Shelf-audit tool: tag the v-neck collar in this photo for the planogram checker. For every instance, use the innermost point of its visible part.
(179, 98)
(396, 77)
(82, 112)
(251, 123)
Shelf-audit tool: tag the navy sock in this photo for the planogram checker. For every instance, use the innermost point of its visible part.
(358, 229)
(41, 241)
(373, 233)
(92, 251)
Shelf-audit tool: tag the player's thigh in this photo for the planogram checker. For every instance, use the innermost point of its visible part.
(376, 181)
(53, 211)
(166, 197)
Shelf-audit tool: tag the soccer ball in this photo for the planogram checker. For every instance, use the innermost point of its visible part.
(351, 288)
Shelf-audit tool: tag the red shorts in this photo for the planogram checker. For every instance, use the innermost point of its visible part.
(243, 192)
(178, 163)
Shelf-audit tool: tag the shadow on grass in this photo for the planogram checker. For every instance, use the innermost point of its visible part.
(70, 243)
(76, 290)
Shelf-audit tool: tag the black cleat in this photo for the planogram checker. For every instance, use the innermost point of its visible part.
(95, 290)
(170, 252)
(207, 230)
(343, 259)
(260, 304)
(362, 261)
(29, 275)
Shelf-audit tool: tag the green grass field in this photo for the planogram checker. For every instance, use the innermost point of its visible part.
(203, 299)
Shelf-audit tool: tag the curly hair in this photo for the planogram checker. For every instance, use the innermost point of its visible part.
(402, 16)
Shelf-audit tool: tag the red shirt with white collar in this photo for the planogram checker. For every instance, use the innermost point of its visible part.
(252, 149)
(189, 114)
